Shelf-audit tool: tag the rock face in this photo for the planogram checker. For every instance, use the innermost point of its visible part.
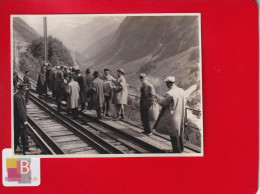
(139, 36)
(23, 32)
(158, 46)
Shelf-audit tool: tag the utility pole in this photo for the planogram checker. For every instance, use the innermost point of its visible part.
(45, 40)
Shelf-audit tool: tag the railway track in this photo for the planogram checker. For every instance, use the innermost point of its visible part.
(57, 137)
(62, 135)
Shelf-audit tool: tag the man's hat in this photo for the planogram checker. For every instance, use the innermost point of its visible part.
(70, 75)
(88, 71)
(96, 73)
(170, 79)
(22, 87)
(78, 71)
(143, 76)
(121, 71)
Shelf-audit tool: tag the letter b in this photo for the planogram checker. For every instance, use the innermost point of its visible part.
(25, 168)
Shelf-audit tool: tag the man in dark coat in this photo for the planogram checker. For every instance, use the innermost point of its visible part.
(48, 76)
(148, 97)
(98, 94)
(87, 88)
(40, 89)
(52, 78)
(26, 81)
(81, 92)
(59, 77)
(20, 118)
(60, 92)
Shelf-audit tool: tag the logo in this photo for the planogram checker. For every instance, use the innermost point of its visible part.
(20, 171)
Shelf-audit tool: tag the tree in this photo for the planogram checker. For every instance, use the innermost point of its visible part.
(33, 58)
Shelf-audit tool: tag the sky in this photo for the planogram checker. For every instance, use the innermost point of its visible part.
(36, 21)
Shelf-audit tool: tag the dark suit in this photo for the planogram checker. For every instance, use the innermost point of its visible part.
(60, 93)
(26, 80)
(20, 116)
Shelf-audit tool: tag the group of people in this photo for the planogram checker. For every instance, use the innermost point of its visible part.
(95, 91)
(89, 91)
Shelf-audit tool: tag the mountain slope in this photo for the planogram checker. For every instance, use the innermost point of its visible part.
(23, 31)
(157, 46)
(138, 36)
(82, 36)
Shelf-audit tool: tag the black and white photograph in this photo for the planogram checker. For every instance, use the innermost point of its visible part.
(106, 85)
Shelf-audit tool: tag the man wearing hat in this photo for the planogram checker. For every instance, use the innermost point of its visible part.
(171, 118)
(81, 92)
(52, 77)
(47, 75)
(41, 84)
(120, 94)
(109, 81)
(148, 98)
(59, 78)
(98, 94)
(77, 73)
(87, 82)
(73, 99)
(26, 81)
(20, 118)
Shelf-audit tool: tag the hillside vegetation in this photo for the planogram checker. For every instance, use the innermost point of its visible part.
(33, 58)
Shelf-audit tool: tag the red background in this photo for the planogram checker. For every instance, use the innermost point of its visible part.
(230, 101)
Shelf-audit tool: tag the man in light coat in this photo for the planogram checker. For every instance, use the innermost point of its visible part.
(120, 94)
(171, 118)
(73, 99)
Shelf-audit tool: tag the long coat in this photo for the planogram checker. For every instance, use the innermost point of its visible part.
(41, 84)
(98, 93)
(171, 118)
(87, 84)
(20, 111)
(81, 86)
(52, 78)
(120, 91)
(60, 91)
(73, 99)
(59, 78)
